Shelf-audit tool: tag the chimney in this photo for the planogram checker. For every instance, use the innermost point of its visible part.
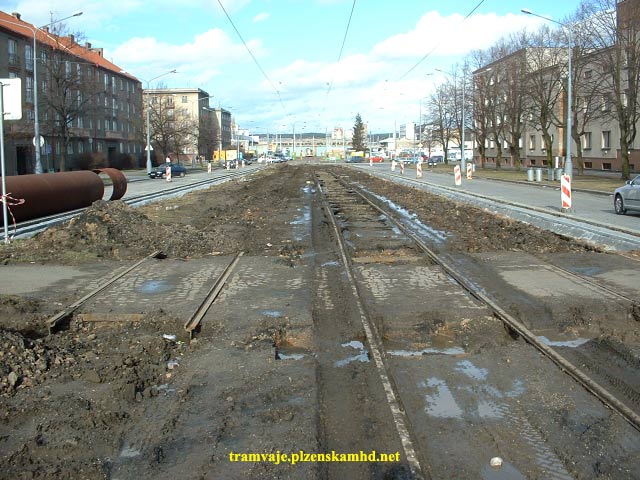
(15, 15)
(71, 38)
(45, 29)
(99, 51)
(87, 45)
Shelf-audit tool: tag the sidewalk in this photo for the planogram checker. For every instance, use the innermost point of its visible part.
(589, 182)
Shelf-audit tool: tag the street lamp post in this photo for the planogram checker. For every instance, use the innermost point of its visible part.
(568, 166)
(148, 82)
(36, 123)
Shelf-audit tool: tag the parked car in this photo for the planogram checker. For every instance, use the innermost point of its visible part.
(177, 170)
(355, 159)
(435, 160)
(414, 159)
(377, 159)
(627, 197)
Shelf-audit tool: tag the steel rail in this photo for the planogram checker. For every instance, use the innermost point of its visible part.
(400, 418)
(582, 378)
(193, 324)
(630, 237)
(53, 322)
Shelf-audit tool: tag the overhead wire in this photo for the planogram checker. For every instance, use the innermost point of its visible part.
(344, 41)
(255, 60)
(439, 43)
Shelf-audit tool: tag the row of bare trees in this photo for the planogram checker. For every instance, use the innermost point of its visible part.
(519, 85)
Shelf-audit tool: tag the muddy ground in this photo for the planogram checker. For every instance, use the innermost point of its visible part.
(69, 402)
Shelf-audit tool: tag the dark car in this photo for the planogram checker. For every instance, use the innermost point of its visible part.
(355, 159)
(435, 160)
(177, 170)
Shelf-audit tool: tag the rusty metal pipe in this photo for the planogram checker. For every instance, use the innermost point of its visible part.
(51, 193)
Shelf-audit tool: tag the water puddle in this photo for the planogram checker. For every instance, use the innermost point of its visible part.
(490, 410)
(505, 472)
(361, 356)
(166, 389)
(332, 263)
(564, 343)
(304, 219)
(128, 452)
(271, 313)
(418, 227)
(471, 371)
(588, 271)
(289, 352)
(426, 351)
(441, 403)
(155, 286)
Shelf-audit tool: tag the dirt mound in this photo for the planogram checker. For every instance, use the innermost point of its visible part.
(110, 230)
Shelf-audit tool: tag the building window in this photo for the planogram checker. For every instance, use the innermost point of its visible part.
(606, 166)
(70, 148)
(80, 147)
(121, 147)
(29, 89)
(100, 147)
(184, 99)
(28, 58)
(588, 165)
(13, 52)
(588, 74)
(532, 142)
(606, 140)
(586, 141)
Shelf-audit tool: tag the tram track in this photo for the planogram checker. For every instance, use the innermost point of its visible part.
(351, 209)
(517, 326)
(577, 227)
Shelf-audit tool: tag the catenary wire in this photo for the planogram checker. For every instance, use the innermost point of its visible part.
(344, 41)
(428, 54)
(252, 55)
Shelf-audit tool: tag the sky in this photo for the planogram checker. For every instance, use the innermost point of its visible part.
(303, 65)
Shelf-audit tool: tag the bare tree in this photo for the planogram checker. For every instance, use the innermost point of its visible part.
(617, 41)
(171, 131)
(480, 101)
(545, 85)
(441, 115)
(69, 92)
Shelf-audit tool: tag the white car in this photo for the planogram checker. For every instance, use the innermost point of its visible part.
(627, 197)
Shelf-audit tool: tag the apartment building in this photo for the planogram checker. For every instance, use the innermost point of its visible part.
(183, 125)
(89, 109)
(521, 102)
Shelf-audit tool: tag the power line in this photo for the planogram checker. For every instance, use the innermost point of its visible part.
(439, 43)
(252, 56)
(344, 40)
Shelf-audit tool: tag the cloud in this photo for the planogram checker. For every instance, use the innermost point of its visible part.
(202, 58)
(261, 17)
(441, 36)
